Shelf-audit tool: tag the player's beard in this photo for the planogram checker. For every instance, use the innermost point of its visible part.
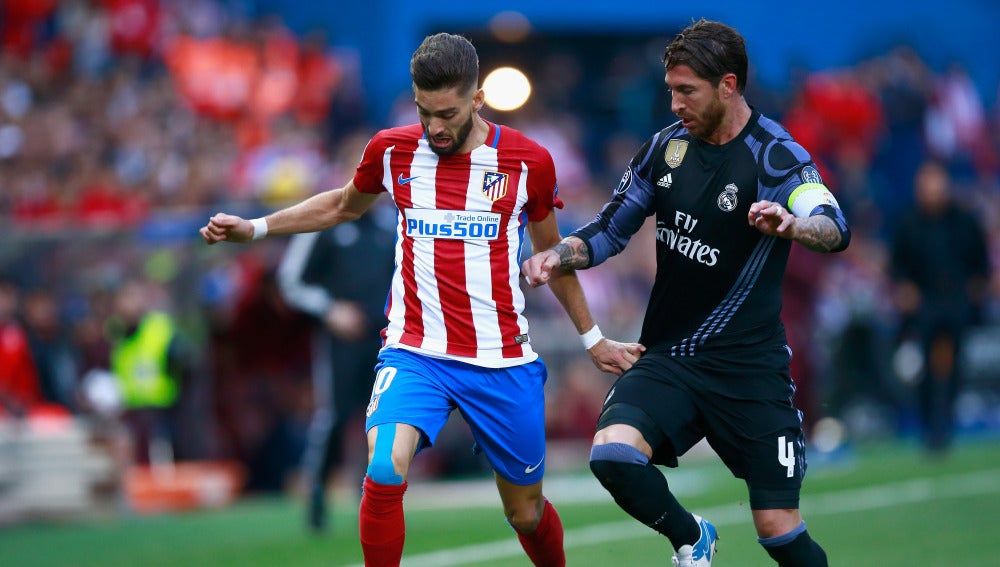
(458, 140)
(710, 120)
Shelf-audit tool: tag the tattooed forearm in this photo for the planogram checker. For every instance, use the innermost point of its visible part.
(818, 233)
(572, 253)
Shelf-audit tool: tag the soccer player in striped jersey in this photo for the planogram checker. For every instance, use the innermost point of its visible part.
(730, 191)
(466, 190)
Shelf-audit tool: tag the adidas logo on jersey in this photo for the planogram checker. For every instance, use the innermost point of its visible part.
(665, 181)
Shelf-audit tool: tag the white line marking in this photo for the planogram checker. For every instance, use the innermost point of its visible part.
(874, 497)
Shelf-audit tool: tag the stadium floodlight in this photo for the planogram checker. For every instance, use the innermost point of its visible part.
(506, 88)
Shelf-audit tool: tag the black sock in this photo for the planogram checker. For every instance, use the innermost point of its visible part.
(643, 492)
(800, 551)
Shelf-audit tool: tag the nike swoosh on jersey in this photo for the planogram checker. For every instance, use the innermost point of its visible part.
(404, 180)
(531, 469)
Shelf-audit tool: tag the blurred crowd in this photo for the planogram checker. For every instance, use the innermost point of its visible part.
(125, 123)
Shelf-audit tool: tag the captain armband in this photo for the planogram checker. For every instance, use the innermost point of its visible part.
(811, 199)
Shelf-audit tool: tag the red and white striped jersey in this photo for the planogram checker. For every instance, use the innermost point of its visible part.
(455, 292)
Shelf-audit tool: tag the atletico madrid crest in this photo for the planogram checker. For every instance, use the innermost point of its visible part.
(494, 185)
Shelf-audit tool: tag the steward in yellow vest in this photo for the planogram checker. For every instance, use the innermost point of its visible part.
(141, 362)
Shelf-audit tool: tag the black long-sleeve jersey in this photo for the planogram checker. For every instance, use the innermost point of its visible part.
(351, 261)
(718, 279)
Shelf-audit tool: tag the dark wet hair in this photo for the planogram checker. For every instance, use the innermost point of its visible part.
(445, 61)
(711, 49)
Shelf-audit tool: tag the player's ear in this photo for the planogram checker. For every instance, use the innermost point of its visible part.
(478, 100)
(727, 85)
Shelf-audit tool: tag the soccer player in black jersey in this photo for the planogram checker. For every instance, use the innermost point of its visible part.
(731, 191)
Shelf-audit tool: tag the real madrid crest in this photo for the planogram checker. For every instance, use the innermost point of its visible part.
(727, 199)
(675, 151)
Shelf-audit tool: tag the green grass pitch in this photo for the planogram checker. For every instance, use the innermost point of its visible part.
(884, 506)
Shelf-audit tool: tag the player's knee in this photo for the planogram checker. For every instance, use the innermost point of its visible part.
(382, 468)
(525, 510)
(614, 464)
(773, 523)
(383, 471)
(795, 548)
(524, 519)
(607, 472)
(628, 424)
(388, 461)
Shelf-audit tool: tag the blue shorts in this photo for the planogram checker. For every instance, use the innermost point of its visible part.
(504, 407)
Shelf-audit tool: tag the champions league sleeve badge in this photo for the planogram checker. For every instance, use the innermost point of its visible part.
(626, 180)
(810, 175)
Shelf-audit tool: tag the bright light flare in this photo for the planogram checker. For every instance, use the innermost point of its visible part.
(506, 88)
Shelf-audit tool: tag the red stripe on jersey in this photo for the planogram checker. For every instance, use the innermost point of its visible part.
(452, 183)
(500, 253)
(413, 326)
(459, 321)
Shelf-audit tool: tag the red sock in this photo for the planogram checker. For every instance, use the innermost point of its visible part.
(544, 546)
(381, 524)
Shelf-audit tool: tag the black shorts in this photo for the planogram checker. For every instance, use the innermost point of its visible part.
(741, 402)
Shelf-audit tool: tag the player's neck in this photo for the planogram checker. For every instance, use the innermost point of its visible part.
(735, 120)
(477, 137)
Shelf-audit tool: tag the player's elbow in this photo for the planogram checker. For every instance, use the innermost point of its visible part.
(845, 240)
(834, 233)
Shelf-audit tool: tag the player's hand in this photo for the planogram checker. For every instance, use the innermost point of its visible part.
(229, 228)
(615, 357)
(772, 219)
(347, 321)
(538, 269)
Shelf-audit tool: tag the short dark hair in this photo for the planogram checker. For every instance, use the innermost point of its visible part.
(445, 61)
(711, 49)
